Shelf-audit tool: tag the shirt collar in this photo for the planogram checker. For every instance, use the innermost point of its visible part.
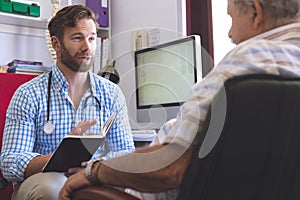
(293, 29)
(60, 82)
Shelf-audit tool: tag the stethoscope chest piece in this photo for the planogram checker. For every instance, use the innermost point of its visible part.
(48, 128)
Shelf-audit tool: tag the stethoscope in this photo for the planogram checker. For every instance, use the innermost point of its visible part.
(48, 126)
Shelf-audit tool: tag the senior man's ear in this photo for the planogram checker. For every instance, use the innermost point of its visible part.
(254, 15)
(258, 14)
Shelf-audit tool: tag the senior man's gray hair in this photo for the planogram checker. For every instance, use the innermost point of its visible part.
(282, 10)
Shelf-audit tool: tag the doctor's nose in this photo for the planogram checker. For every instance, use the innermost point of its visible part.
(86, 46)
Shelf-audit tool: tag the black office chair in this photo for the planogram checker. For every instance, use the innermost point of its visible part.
(257, 153)
(101, 193)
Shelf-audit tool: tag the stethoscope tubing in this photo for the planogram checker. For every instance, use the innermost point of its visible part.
(48, 126)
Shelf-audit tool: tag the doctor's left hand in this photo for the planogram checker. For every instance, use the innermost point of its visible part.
(82, 127)
(74, 170)
(79, 129)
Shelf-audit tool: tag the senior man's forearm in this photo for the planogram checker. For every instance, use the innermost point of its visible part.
(150, 169)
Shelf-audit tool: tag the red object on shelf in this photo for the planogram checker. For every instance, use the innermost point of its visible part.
(8, 85)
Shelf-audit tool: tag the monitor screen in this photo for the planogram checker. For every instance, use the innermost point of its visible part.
(164, 77)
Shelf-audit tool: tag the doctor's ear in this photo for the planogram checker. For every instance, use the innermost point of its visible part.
(55, 42)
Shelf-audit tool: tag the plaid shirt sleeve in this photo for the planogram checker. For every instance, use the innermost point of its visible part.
(17, 147)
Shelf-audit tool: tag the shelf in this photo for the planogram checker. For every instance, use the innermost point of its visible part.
(35, 22)
(20, 20)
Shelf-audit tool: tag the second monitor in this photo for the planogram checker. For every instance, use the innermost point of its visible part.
(164, 77)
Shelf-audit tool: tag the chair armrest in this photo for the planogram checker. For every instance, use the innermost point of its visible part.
(3, 183)
(101, 192)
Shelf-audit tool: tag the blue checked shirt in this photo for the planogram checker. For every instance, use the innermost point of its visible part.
(24, 137)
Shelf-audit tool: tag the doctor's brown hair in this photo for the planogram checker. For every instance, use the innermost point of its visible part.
(68, 17)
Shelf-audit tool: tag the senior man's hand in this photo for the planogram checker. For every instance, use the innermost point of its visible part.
(73, 183)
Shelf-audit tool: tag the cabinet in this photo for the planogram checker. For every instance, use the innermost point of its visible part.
(101, 8)
(23, 37)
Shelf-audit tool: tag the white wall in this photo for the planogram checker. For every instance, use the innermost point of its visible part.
(221, 26)
(127, 16)
(24, 47)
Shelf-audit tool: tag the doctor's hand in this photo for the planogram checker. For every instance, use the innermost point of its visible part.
(79, 129)
(74, 170)
(82, 127)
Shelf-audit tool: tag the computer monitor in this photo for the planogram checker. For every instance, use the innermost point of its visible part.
(164, 77)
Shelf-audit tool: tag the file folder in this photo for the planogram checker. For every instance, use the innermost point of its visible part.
(101, 10)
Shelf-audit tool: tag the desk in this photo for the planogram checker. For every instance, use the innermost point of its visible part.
(143, 137)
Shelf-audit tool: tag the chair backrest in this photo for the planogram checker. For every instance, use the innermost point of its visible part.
(8, 84)
(257, 155)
